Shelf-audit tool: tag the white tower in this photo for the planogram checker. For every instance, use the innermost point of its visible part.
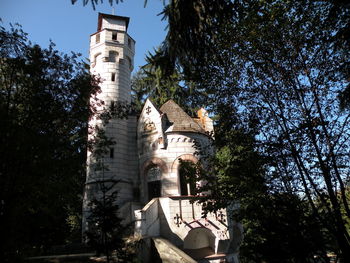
(111, 57)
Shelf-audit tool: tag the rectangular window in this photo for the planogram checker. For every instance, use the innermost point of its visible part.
(113, 56)
(113, 77)
(129, 42)
(114, 36)
(97, 38)
(111, 152)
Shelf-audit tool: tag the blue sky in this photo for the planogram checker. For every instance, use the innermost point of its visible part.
(69, 26)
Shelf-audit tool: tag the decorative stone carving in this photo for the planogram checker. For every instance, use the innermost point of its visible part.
(148, 126)
(154, 174)
(148, 110)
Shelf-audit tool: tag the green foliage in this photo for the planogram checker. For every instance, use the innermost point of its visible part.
(105, 229)
(192, 30)
(94, 3)
(188, 176)
(274, 69)
(234, 173)
(153, 83)
(44, 108)
(279, 227)
(107, 235)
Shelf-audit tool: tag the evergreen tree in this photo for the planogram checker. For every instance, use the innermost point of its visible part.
(44, 108)
(152, 82)
(105, 230)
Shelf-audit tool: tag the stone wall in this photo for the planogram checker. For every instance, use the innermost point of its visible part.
(178, 146)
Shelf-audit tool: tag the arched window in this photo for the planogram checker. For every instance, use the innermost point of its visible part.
(154, 175)
(113, 56)
(188, 178)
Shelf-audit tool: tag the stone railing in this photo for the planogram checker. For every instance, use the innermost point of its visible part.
(150, 219)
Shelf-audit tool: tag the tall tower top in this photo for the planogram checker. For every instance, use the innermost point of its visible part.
(106, 21)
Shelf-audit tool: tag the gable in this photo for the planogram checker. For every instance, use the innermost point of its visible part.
(150, 121)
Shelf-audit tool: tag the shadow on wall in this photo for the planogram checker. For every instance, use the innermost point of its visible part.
(165, 230)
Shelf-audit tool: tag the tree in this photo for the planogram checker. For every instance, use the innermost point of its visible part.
(279, 65)
(105, 229)
(282, 67)
(44, 108)
(278, 226)
(151, 82)
(96, 2)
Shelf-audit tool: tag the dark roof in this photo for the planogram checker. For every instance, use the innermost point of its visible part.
(102, 15)
(179, 119)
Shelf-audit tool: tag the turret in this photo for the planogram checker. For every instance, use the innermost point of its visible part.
(111, 60)
(112, 57)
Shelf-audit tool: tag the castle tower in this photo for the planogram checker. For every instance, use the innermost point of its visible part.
(111, 60)
(145, 165)
(111, 56)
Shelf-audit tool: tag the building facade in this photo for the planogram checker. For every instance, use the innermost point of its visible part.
(146, 161)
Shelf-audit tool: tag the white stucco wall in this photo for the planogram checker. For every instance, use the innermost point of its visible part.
(123, 165)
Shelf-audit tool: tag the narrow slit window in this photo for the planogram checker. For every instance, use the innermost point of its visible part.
(114, 36)
(111, 153)
(129, 42)
(129, 63)
(113, 77)
(97, 38)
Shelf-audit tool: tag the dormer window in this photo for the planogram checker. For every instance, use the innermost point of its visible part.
(97, 38)
(114, 36)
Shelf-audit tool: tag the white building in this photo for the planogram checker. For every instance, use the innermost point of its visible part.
(146, 159)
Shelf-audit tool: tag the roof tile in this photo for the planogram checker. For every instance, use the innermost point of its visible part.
(179, 119)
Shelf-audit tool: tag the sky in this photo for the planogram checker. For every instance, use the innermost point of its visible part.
(70, 26)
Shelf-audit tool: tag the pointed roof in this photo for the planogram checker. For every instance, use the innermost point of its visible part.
(179, 119)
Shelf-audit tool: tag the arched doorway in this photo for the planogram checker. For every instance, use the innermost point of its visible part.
(152, 172)
(153, 177)
(199, 243)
